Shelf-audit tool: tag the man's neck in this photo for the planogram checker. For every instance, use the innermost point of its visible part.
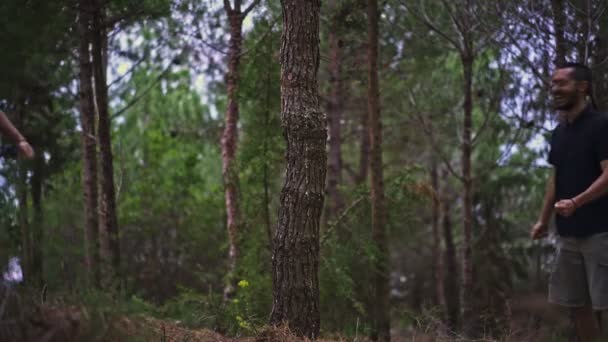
(573, 113)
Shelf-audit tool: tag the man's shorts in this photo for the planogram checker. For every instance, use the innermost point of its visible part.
(580, 273)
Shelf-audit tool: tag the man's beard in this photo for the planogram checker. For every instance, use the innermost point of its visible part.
(566, 103)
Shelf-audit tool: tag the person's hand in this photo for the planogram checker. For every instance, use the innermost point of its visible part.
(25, 150)
(539, 230)
(565, 207)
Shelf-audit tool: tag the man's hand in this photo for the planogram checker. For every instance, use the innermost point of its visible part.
(565, 207)
(25, 150)
(539, 230)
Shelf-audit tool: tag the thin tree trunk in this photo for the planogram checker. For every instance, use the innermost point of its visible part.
(26, 237)
(600, 72)
(452, 286)
(438, 271)
(229, 144)
(363, 149)
(37, 231)
(335, 108)
(381, 328)
(467, 147)
(108, 223)
(89, 145)
(584, 17)
(559, 23)
(295, 259)
(267, 220)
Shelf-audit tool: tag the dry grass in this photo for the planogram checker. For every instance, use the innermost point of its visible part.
(531, 320)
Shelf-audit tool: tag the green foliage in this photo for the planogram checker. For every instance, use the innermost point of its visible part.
(168, 117)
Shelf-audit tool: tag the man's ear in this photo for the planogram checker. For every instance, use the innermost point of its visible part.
(584, 87)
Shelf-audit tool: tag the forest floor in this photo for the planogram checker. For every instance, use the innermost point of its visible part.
(532, 319)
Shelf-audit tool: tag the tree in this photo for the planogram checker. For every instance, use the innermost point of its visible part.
(296, 239)
(381, 309)
(335, 109)
(438, 264)
(469, 43)
(108, 223)
(230, 137)
(559, 23)
(89, 143)
(601, 70)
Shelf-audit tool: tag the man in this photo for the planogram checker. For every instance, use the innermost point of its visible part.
(577, 192)
(7, 129)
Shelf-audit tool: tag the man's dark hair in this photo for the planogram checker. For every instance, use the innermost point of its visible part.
(581, 72)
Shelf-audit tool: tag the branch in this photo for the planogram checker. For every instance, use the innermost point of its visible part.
(333, 225)
(460, 29)
(354, 176)
(131, 69)
(261, 40)
(251, 6)
(527, 61)
(143, 93)
(227, 6)
(424, 18)
(429, 134)
(494, 101)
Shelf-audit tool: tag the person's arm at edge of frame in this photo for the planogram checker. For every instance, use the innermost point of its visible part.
(541, 227)
(599, 187)
(8, 129)
(596, 190)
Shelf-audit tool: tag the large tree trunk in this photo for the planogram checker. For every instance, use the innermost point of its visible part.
(295, 258)
(335, 108)
(559, 23)
(452, 286)
(89, 145)
(37, 231)
(381, 328)
(467, 177)
(108, 223)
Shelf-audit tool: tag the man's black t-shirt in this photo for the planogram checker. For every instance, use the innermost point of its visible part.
(577, 149)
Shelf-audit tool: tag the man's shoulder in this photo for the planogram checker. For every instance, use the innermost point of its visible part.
(598, 119)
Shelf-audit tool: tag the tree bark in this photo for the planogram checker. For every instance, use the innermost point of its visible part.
(24, 225)
(295, 259)
(89, 145)
(108, 223)
(467, 147)
(600, 57)
(335, 108)
(438, 270)
(37, 231)
(267, 128)
(381, 328)
(559, 23)
(584, 19)
(452, 286)
(230, 143)
(363, 149)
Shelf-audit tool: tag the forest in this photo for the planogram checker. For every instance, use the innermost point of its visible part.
(283, 170)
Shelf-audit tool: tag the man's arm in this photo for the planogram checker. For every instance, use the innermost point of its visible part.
(596, 190)
(549, 201)
(542, 225)
(7, 128)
